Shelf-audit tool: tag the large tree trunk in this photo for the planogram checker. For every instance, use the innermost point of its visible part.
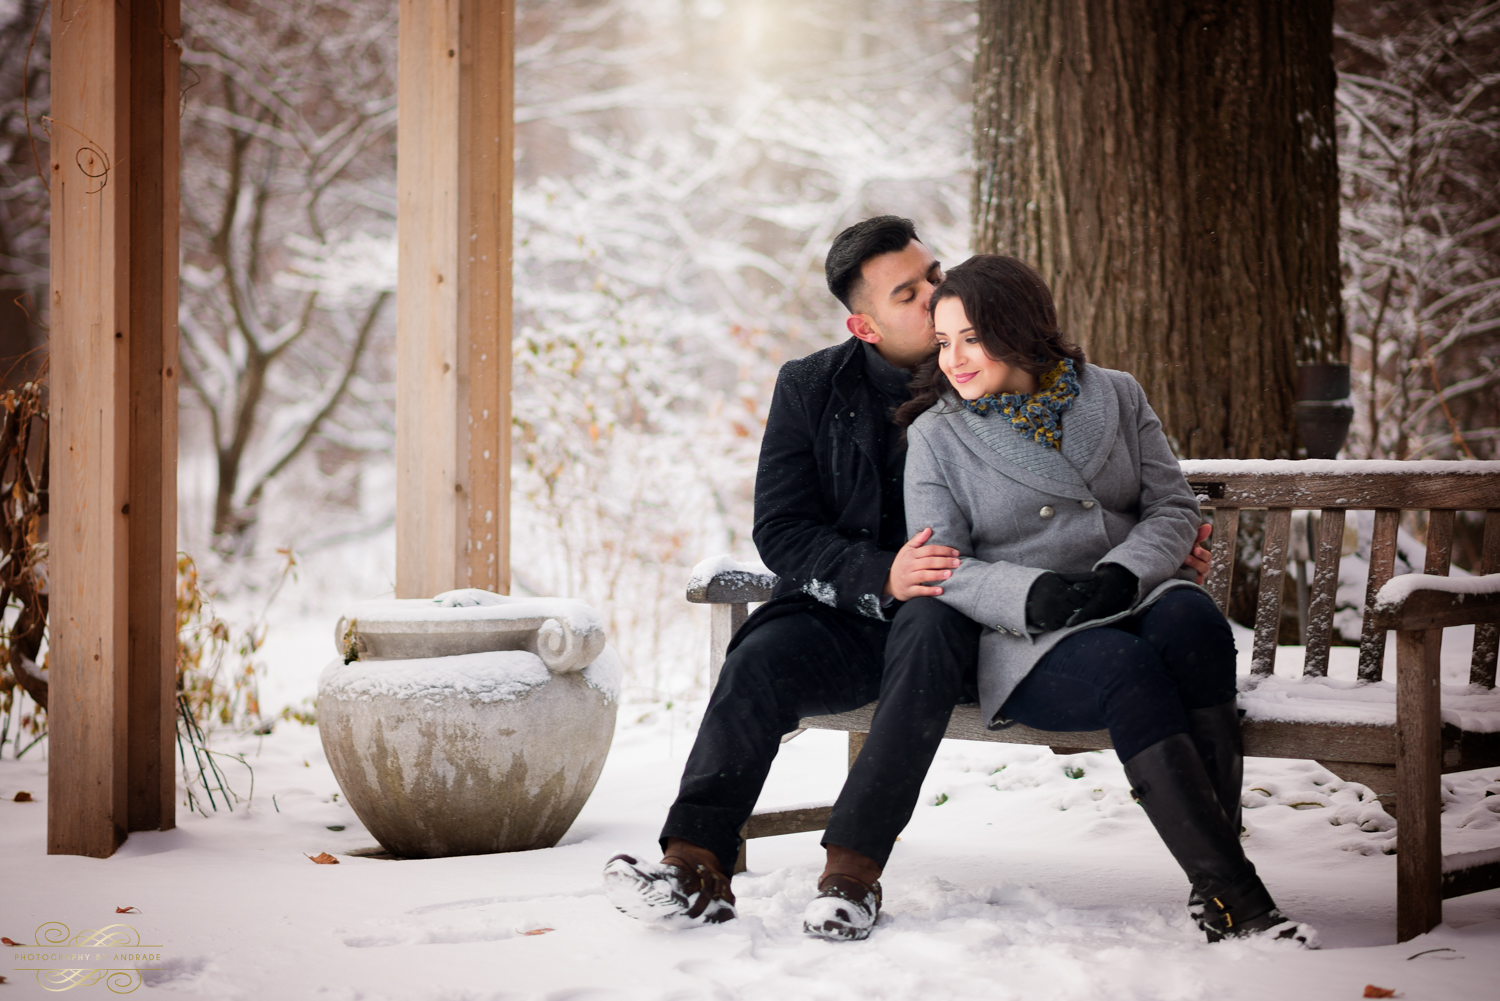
(1170, 167)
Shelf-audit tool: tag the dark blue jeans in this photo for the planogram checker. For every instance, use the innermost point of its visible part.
(1138, 678)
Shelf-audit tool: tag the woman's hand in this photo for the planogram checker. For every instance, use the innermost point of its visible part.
(919, 568)
(1200, 559)
(1055, 598)
(1115, 590)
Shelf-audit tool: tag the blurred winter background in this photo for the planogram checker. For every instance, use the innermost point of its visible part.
(682, 165)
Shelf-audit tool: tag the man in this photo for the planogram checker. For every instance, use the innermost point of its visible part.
(854, 616)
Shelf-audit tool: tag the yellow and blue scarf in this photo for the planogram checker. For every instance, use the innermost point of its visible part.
(1038, 416)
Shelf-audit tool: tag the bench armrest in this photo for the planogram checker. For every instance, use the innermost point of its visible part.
(720, 580)
(1424, 601)
(729, 586)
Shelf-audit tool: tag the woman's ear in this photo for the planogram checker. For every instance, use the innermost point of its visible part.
(862, 325)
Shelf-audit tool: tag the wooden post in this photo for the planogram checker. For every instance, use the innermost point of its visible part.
(1419, 798)
(113, 531)
(455, 173)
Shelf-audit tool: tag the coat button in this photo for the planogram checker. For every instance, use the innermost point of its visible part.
(1088, 505)
(1047, 511)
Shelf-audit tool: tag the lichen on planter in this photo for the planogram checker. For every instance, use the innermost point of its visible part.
(469, 724)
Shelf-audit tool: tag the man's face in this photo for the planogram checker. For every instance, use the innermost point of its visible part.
(891, 304)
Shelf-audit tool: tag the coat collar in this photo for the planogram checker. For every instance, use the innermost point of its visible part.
(1092, 423)
(858, 403)
(1089, 429)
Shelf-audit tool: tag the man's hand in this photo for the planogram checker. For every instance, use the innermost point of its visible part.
(919, 568)
(1200, 559)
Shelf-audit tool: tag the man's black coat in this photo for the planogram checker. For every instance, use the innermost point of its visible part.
(818, 495)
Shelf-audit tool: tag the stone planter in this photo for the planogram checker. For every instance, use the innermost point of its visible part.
(470, 723)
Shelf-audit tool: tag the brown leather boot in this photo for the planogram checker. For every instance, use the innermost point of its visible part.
(848, 901)
(685, 886)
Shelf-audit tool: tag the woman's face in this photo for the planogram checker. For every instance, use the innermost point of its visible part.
(962, 358)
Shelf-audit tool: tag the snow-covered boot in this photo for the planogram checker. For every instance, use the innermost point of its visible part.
(674, 890)
(1168, 779)
(845, 909)
(1216, 735)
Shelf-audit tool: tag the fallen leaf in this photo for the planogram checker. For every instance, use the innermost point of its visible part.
(2, 980)
(323, 858)
(127, 910)
(23, 797)
(538, 931)
(1371, 991)
(7, 941)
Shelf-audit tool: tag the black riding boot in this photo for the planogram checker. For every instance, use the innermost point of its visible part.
(1168, 779)
(1216, 735)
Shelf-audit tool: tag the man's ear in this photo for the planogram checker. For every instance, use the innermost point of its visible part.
(862, 325)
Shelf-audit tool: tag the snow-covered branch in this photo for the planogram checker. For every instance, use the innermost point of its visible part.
(1421, 231)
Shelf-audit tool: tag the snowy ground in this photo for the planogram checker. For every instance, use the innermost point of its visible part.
(1015, 879)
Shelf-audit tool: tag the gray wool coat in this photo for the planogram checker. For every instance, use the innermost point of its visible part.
(1015, 509)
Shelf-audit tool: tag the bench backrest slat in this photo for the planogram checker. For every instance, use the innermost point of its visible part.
(1268, 602)
(1225, 537)
(1382, 567)
(1439, 542)
(1323, 599)
(1487, 635)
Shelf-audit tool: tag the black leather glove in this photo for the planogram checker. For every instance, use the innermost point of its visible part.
(1055, 597)
(1114, 591)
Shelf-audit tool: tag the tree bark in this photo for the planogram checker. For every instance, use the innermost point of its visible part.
(1170, 167)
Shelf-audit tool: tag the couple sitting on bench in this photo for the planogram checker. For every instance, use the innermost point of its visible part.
(1044, 578)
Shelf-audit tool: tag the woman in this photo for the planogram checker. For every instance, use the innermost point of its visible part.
(1054, 481)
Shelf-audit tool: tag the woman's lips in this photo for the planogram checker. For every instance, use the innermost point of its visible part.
(962, 377)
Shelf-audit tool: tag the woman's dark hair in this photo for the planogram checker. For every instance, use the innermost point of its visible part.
(1011, 310)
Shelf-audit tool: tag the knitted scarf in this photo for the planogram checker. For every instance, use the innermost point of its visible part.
(1038, 416)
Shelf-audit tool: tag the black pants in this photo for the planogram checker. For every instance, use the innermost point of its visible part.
(812, 661)
(1137, 678)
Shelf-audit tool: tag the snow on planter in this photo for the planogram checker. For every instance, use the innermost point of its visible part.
(469, 723)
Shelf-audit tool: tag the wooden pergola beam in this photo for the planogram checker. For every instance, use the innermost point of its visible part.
(113, 527)
(455, 174)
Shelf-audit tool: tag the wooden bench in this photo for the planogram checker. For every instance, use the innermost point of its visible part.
(1400, 759)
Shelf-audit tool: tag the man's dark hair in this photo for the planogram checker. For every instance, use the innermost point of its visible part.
(884, 234)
